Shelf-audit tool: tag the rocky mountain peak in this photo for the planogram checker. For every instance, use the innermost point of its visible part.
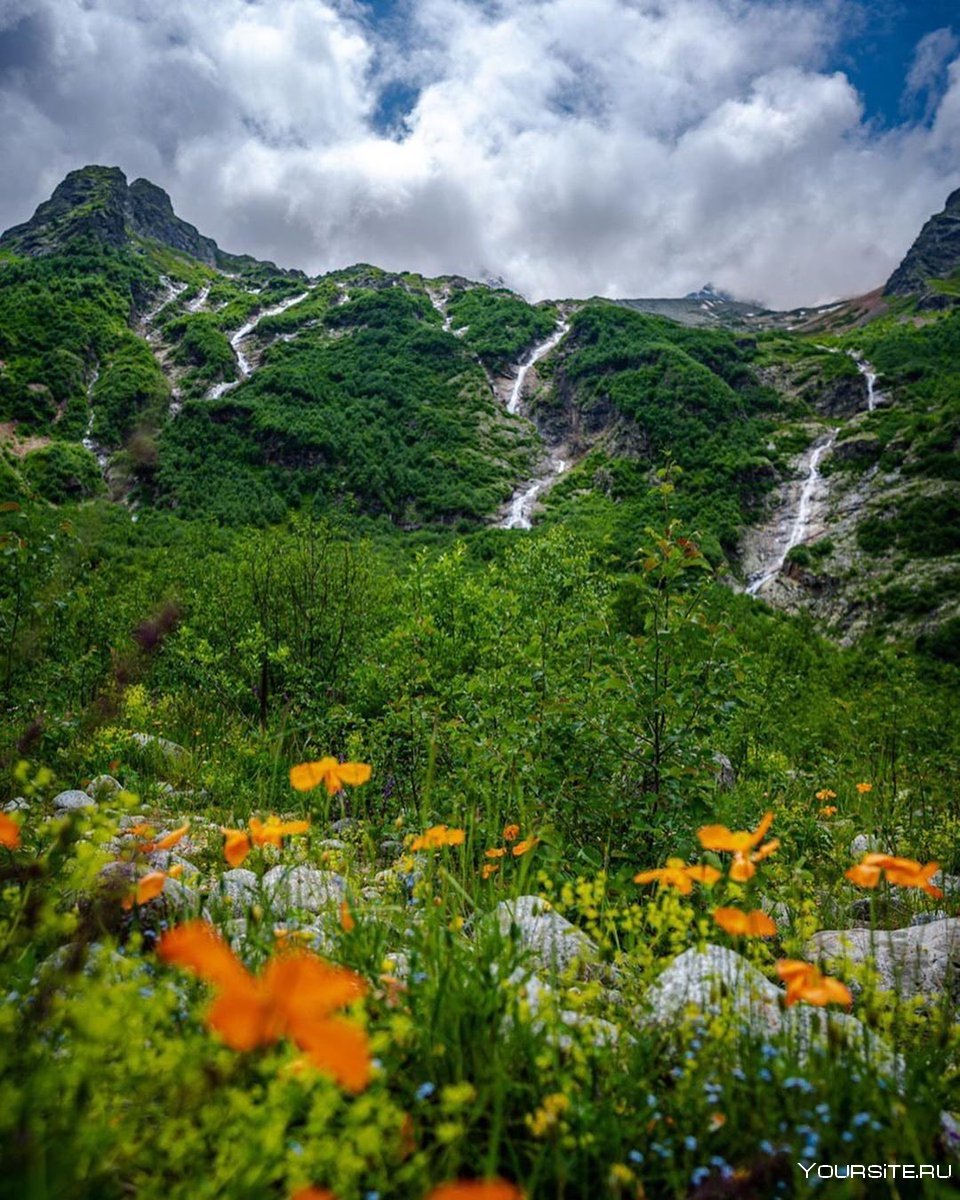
(934, 255)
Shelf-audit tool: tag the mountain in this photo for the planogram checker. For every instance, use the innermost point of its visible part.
(97, 202)
(933, 258)
(140, 362)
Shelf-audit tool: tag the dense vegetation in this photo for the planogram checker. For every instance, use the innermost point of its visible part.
(302, 571)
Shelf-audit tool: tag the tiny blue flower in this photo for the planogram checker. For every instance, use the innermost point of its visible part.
(425, 1091)
(861, 1118)
(700, 1175)
(635, 1156)
(690, 1142)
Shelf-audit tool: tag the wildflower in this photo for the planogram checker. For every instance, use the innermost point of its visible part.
(805, 982)
(511, 833)
(747, 924)
(437, 836)
(236, 847)
(826, 794)
(262, 833)
(717, 1121)
(477, 1189)
(313, 1193)
(496, 852)
(745, 846)
(167, 842)
(548, 1115)
(902, 872)
(9, 832)
(677, 874)
(522, 847)
(347, 923)
(489, 869)
(148, 887)
(294, 997)
(828, 810)
(330, 772)
(863, 788)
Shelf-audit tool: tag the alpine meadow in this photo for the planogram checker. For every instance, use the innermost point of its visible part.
(470, 749)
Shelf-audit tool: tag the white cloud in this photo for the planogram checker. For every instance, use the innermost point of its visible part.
(575, 146)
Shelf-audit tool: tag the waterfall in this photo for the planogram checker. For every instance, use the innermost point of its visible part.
(243, 332)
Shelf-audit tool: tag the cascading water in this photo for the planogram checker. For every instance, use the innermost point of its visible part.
(520, 513)
(870, 375)
(244, 331)
(538, 352)
(795, 531)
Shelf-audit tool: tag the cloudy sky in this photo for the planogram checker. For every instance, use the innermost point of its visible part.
(785, 150)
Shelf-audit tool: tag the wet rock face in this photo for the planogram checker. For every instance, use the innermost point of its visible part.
(934, 254)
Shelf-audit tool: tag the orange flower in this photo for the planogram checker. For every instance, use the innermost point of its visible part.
(437, 836)
(497, 852)
(236, 847)
(511, 833)
(9, 832)
(522, 847)
(144, 829)
(477, 1189)
(272, 831)
(744, 924)
(826, 794)
(677, 874)
(330, 772)
(828, 810)
(863, 788)
(902, 872)
(313, 1193)
(489, 869)
(148, 888)
(347, 923)
(262, 833)
(167, 842)
(805, 982)
(294, 998)
(745, 846)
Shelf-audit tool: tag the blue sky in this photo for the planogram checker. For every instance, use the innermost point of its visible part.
(786, 150)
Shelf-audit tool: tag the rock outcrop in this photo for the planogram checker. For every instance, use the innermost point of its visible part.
(934, 254)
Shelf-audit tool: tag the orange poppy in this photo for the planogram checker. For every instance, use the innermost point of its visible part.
(331, 773)
(272, 831)
(148, 888)
(805, 982)
(902, 872)
(489, 869)
(313, 1193)
(828, 810)
(826, 794)
(522, 847)
(497, 852)
(511, 833)
(863, 788)
(294, 997)
(9, 832)
(677, 874)
(437, 836)
(347, 923)
(477, 1189)
(167, 842)
(236, 847)
(745, 846)
(744, 924)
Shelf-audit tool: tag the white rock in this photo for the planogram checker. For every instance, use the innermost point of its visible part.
(921, 959)
(17, 804)
(550, 938)
(239, 888)
(866, 843)
(73, 800)
(716, 980)
(103, 786)
(160, 745)
(302, 887)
